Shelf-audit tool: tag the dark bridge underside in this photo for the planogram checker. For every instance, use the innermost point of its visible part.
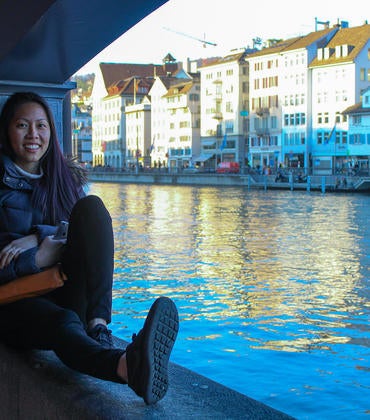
(47, 41)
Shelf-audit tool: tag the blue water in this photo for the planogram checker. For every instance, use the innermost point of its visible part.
(272, 288)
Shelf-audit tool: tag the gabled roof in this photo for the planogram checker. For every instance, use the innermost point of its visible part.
(170, 81)
(142, 86)
(355, 38)
(115, 72)
(295, 43)
(318, 37)
(237, 57)
(357, 109)
(179, 89)
(279, 47)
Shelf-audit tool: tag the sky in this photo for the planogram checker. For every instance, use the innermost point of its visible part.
(231, 24)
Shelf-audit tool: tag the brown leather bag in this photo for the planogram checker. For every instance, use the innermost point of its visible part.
(32, 285)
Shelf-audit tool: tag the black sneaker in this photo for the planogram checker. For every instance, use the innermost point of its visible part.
(148, 354)
(102, 335)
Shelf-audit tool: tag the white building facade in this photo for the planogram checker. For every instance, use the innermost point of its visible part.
(138, 135)
(340, 74)
(168, 107)
(224, 110)
(280, 102)
(183, 110)
(359, 137)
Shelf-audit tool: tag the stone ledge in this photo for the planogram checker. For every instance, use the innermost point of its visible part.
(36, 385)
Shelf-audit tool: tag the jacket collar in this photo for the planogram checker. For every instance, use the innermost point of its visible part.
(12, 178)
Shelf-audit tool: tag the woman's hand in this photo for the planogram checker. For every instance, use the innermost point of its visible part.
(49, 252)
(11, 251)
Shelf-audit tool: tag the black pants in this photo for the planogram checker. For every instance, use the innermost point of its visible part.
(57, 321)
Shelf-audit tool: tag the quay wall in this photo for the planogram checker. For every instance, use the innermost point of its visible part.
(322, 183)
(36, 385)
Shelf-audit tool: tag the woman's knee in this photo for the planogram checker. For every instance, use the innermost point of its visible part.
(90, 209)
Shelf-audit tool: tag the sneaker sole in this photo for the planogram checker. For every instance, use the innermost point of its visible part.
(160, 332)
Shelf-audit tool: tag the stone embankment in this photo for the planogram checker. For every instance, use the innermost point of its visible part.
(318, 183)
(36, 385)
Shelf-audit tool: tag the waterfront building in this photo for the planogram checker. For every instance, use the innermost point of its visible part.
(81, 133)
(138, 134)
(299, 89)
(358, 137)
(114, 89)
(281, 105)
(224, 110)
(172, 103)
(340, 75)
(280, 100)
(183, 108)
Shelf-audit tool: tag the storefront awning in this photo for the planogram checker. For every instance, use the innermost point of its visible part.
(202, 157)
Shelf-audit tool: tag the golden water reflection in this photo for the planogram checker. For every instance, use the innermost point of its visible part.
(292, 265)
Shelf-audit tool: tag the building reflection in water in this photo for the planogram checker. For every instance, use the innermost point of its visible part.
(272, 287)
(273, 259)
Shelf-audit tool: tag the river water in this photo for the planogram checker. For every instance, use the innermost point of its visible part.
(272, 288)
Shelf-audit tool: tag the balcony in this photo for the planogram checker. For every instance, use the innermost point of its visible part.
(260, 132)
(217, 116)
(262, 111)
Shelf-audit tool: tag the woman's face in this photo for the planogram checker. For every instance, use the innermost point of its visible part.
(29, 135)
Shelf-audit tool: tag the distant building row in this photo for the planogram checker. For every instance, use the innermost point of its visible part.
(302, 102)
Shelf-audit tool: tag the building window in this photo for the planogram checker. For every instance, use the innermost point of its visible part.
(320, 138)
(229, 107)
(229, 126)
(356, 119)
(362, 74)
(273, 122)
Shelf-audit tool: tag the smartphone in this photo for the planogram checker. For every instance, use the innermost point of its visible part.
(62, 231)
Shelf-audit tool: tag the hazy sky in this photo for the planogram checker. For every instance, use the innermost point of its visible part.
(230, 24)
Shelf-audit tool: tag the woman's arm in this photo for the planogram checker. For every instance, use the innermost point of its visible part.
(11, 251)
(21, 257)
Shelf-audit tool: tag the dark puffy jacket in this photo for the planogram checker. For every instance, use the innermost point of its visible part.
(18, 218)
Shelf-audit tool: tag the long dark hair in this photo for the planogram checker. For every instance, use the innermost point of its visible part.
(61, 185)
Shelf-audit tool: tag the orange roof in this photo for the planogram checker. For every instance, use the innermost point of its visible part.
(356, 109)
(179, 89)
(295, 43)
(114, 72)
(142, 85)
(356, 38)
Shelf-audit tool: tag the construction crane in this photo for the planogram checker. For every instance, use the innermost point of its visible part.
(203, 41)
